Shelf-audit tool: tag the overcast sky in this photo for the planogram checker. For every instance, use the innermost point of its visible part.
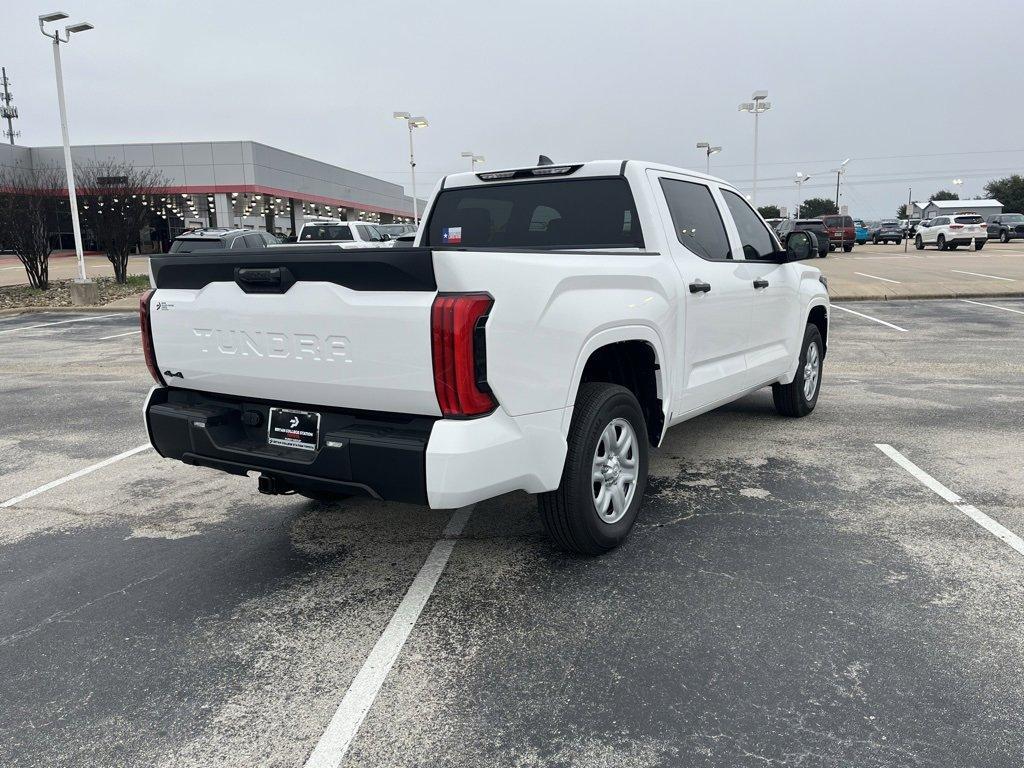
(914, 97)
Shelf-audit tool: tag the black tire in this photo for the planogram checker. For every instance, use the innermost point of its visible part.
(875, 240)
(831, 247)
(569, 513)
(847, 248)
(979, 244)
(919, 243)
(789, 398)
(900, 241)
(941, 242)
(1004, 236)
(952, 246)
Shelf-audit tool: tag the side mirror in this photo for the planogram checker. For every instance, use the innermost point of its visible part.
(384, 236)
(799, 247)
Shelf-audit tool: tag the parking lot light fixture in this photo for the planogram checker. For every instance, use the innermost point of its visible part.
(800, 178)
(473, 159)
(758, 105)
(412, 122)
(839, 174)
(57, 39)
(708, 151)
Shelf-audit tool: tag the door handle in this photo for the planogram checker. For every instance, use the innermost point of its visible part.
(759, 283)
(700, 287)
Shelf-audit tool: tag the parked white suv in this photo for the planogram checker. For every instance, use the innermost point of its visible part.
(549, 326)
(952, 231)
(346, 234)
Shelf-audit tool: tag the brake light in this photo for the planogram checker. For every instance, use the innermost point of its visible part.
(457, 323)
(147, 338)
(956, 226)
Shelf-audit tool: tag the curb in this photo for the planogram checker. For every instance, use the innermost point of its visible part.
(81, 310)
(948, 295)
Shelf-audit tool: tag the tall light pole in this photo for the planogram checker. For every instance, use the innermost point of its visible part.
(839, 174)
(757, 106)
(709, 151)
(473, 159)
(69, 169)
(800, 179)
(412, 122)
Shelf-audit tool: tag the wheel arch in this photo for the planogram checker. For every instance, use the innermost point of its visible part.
(632, 356)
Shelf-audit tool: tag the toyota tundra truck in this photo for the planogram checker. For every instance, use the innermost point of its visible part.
(546, 328)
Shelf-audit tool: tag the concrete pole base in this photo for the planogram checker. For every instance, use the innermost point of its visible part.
(84, 293)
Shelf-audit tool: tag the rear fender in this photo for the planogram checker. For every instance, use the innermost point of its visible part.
(608, 336)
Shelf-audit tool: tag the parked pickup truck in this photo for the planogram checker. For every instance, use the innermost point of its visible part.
(545, 330)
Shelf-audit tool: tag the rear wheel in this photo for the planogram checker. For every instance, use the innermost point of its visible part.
(1004, 236)
(799, 397)
(875, 240)
(919, 243)
(941, 242)
(847, 248)
(979, 244)
(605, 473)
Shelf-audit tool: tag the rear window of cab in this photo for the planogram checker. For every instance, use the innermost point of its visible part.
(556, 213)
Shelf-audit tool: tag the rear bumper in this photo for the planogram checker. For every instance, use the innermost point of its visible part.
(359, 453)
(442, 463)
(962, 240)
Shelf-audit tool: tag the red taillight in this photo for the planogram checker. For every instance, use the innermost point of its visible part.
(147, 338)
(457, 323)
(956, 226)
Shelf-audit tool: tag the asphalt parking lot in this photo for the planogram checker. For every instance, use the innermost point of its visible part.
(887, 271)
(793, 593)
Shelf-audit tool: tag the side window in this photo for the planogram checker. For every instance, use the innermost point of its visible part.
(756, 240)
(239, 242)
(696, 219)
(254, 241)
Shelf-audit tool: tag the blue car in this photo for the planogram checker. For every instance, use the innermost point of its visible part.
(861, 232)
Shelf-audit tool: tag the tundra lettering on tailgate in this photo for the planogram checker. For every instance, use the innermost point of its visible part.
(274, 344)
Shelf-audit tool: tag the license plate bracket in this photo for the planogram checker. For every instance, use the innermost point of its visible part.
(289, 428)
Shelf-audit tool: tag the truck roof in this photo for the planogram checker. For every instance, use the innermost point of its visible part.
(574, 170)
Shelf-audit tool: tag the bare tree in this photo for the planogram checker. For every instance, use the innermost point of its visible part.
(28, 207)
(115, 203)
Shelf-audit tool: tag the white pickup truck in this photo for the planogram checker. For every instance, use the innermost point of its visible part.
(548, 327)
(347, 234)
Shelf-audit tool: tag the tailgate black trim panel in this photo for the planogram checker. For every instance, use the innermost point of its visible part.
(360, 269)
(379, 454)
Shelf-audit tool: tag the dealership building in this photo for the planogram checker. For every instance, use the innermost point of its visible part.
(241, 184)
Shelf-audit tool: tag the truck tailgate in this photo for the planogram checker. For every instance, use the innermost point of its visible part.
(318, 325)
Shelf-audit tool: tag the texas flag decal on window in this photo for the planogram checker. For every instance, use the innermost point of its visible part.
(451, 235)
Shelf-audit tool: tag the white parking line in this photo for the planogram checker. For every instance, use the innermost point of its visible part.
(330, 750)
(979, 274)
(74, 476)
(869, 317)
(994, 306)
(119, 335)
(876, 277)
(996, 529)
(4, 269)
(58, 322)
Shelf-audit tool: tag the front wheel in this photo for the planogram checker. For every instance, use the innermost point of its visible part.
(1004, 236)
(799, 397)
(941, 242)
(875, 241)
(919, 243)
(605, 474)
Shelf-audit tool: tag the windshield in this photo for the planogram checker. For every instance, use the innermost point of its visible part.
(194, 244)
(1014, 217)
(312, 232)
(563, 213)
